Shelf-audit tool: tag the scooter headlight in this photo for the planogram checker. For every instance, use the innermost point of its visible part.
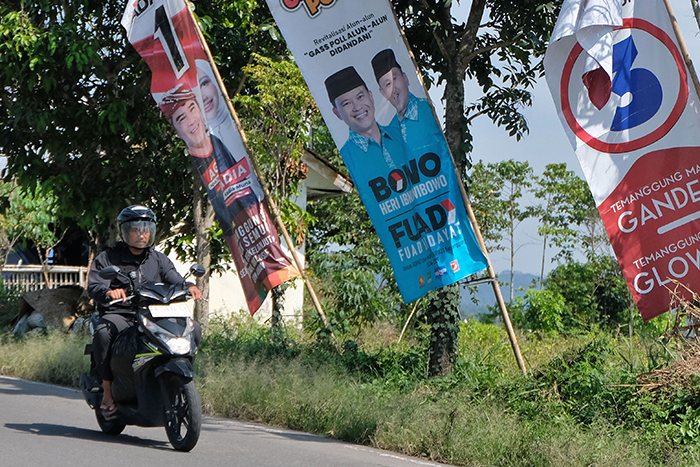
(179, 345)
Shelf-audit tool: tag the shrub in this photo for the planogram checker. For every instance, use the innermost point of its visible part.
(595, 293)
(10, 300)
(543, 310)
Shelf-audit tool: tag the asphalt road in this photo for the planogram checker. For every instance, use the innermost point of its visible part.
(46, 425)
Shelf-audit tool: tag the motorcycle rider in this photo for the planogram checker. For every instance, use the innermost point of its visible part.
(135, 256)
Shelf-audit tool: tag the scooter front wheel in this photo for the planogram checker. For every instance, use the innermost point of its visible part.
(183, 413)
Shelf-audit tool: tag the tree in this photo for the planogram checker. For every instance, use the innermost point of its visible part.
(595, 292)
(345, 253)
(203, 226)
(502, 186)
(497, 45)
(567, 203)
(449, 50)
(39, 223)
(516, 178)
(485, 193)
(29, 217)
(594, 240)
(278, 115)
(78, 116)
(236, 31)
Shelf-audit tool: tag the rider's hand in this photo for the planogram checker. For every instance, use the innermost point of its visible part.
(116, 294)
(196, 293)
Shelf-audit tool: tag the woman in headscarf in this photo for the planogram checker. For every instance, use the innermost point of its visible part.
(218, 117)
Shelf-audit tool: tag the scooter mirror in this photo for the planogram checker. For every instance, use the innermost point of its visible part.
(197, 270)
(110, 272)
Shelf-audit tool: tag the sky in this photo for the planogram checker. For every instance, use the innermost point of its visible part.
(545, 144)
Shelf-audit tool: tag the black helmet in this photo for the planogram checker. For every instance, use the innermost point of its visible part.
(140, 218)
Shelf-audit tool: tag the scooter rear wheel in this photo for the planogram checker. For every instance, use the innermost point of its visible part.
(109, 427)
(183, 414)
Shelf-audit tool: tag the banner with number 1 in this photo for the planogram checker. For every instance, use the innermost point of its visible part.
(184, 87)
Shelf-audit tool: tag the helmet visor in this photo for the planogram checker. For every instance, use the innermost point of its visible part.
(138, 234)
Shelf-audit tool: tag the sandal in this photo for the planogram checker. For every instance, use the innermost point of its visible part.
(109, 412)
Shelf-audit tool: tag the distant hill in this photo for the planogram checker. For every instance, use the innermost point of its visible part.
(486, 296)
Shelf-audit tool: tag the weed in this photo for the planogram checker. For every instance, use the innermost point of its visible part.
(580, 405)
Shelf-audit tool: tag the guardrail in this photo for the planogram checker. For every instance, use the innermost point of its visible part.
(31, 277)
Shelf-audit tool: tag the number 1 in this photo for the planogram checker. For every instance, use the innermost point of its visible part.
(167, 36)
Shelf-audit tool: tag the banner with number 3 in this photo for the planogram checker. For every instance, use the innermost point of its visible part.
(619, 81)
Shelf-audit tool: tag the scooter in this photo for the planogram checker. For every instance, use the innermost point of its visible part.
(152, 362)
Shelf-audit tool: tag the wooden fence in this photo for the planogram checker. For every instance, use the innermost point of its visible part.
(31, 277)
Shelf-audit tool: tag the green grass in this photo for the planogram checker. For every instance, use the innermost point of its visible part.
(54, 357)
(574, 408)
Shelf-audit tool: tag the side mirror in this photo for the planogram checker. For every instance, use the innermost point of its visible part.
(197, 270)
(110, 272)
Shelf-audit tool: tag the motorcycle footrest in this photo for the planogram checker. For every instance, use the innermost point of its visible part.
(91, 389)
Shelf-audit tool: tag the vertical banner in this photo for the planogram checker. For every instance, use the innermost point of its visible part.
(622, 90)
(355, 61)
(184, 87)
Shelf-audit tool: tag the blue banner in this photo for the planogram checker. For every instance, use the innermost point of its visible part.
(355, 61)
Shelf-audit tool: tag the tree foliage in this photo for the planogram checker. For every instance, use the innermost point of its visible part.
(29, 216)
(277, 115)
(567, 203)
(499, 44)
(345, 253)
(78, 117)
(498, 190)
(595, 292)
(236, 30)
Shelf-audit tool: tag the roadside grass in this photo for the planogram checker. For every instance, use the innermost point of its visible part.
(579, 405)
(53, 357)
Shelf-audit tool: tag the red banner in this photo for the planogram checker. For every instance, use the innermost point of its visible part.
(621, 86)
(163, 32)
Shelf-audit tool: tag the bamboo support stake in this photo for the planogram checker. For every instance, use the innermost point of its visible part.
(683, 47)
(494, 281)
(251, 157)
(496, 288)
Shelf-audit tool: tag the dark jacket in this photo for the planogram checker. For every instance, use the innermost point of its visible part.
(151, 266)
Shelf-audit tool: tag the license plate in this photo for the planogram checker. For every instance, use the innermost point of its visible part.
(174, 310)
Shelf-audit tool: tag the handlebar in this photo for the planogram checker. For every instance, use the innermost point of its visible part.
(119, 300)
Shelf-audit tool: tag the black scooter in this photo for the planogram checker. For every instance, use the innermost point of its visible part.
(152, 363)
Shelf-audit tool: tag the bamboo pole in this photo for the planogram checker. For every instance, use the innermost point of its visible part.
(494, 283)
(475, 226)
(683, 47)
(251, 157)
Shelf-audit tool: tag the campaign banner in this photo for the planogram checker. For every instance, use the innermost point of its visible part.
(356, 64)
(622, 90)
(184, 87)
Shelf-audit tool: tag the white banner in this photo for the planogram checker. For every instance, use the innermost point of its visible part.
(622, 89)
